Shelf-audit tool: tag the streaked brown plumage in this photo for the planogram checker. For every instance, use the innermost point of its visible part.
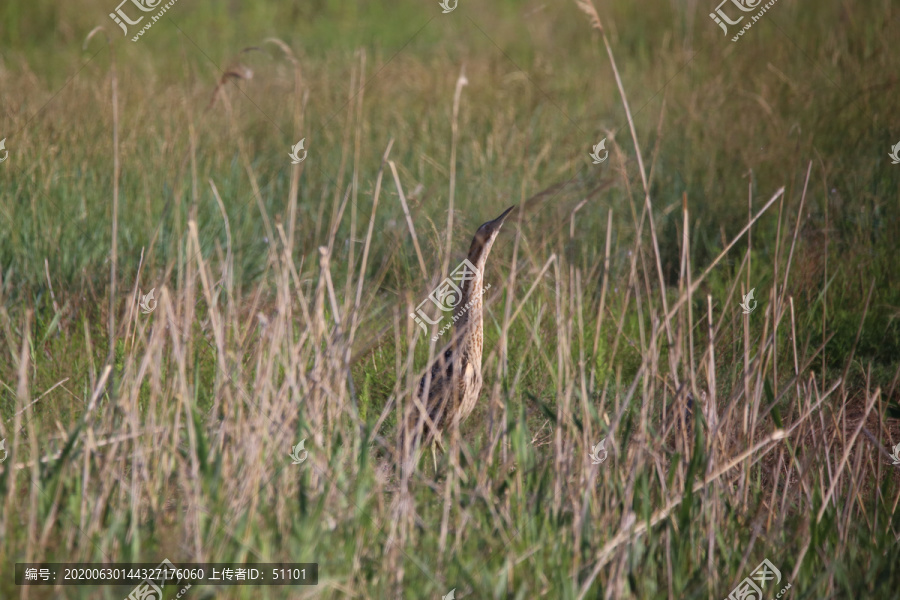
(449, 390)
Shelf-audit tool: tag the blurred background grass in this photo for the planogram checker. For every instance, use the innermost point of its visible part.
(811, 83)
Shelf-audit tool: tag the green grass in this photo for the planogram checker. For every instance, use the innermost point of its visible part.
(175, 444)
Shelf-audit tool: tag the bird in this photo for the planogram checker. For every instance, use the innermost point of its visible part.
(449, 390)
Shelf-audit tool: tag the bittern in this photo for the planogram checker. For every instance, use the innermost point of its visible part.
(449, 391)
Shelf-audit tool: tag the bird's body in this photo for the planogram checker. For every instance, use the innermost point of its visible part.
(449, 390)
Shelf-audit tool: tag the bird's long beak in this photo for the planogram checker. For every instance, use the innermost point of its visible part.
(499, 220)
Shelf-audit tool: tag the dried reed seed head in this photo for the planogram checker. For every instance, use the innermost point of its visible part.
(587, 7)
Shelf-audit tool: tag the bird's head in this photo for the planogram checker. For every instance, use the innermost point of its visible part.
(486, 234)
(483, 240)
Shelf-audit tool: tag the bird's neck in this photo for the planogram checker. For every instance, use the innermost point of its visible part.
(470, 320)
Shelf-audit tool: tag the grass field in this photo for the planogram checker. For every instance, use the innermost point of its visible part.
(283, 293)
